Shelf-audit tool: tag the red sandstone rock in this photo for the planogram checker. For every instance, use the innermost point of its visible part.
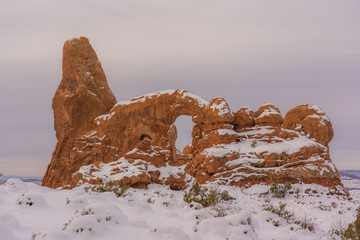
(244, 117)
(83, 93)
(279, 155)
(311, 120)
(133, 143)
(268, 115)
(172, 136)
(218, 111)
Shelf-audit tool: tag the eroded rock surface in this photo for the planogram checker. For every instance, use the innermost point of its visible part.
(311, 120)
(268, 115)
(244, 117)
(133, 142)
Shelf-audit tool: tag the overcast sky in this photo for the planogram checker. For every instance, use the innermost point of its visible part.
(249, 52)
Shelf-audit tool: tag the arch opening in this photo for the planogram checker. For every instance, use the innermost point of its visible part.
(184, 125)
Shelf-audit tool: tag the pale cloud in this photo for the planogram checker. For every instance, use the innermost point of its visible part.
(250, 52)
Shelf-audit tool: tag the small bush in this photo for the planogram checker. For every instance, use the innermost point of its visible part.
(297, 193)
(253, 143)
(281, 212)
(276, 223)
(338, 229)
(25, 200)
(205, 196)
(307, 223)
(279, 191)
(353, 229)
(109, 187)
(324, 207)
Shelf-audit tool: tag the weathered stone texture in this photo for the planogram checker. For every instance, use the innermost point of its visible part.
(133, 143)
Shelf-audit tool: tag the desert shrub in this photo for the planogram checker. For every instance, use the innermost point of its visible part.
(297, 193)
(324, 207)
(281, 211)
(279, 190)
(353, 229)
(205, 196)
(307, 223)
(109, 187)
(338, 229)
(276, 223)
(25, 200)
(150, 200)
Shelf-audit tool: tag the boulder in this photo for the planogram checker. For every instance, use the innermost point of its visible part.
(268, 115)
(311, 120)
(243, 118)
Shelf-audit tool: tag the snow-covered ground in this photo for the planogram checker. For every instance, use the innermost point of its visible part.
(36, 180)
(350, 179)
(29, 211)
(351, 183)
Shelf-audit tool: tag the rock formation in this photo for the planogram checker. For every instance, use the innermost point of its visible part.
(311, 120)
(133, 143)
(268, 115)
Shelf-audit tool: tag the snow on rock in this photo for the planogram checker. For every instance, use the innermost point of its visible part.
(265, 153)
(260, 153)
(312, 121)
(133, 142)
(122, 169)
(220, 106)
(104, 117)
(152, 95)
(267, 112)
(268, 115)
(244, 117)
(201, 102)
(286, 146)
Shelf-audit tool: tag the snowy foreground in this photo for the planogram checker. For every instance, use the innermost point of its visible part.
(29, 211)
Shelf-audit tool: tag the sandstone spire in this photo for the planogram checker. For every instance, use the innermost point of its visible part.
(83, 93)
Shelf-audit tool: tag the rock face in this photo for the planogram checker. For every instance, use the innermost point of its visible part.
(82, 95)
(133, 143)
(311, 120)
(268, 115)
(244, 117)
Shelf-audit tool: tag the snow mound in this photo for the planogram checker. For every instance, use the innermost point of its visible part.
(161, 213)
(31, 200)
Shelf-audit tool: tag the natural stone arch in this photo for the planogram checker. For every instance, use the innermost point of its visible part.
(117, 137)
(152, 114)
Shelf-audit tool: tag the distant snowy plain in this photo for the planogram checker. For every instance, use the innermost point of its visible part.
(29, 211)
(350, 179)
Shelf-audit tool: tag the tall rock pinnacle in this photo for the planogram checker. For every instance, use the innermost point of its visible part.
(83, 93)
